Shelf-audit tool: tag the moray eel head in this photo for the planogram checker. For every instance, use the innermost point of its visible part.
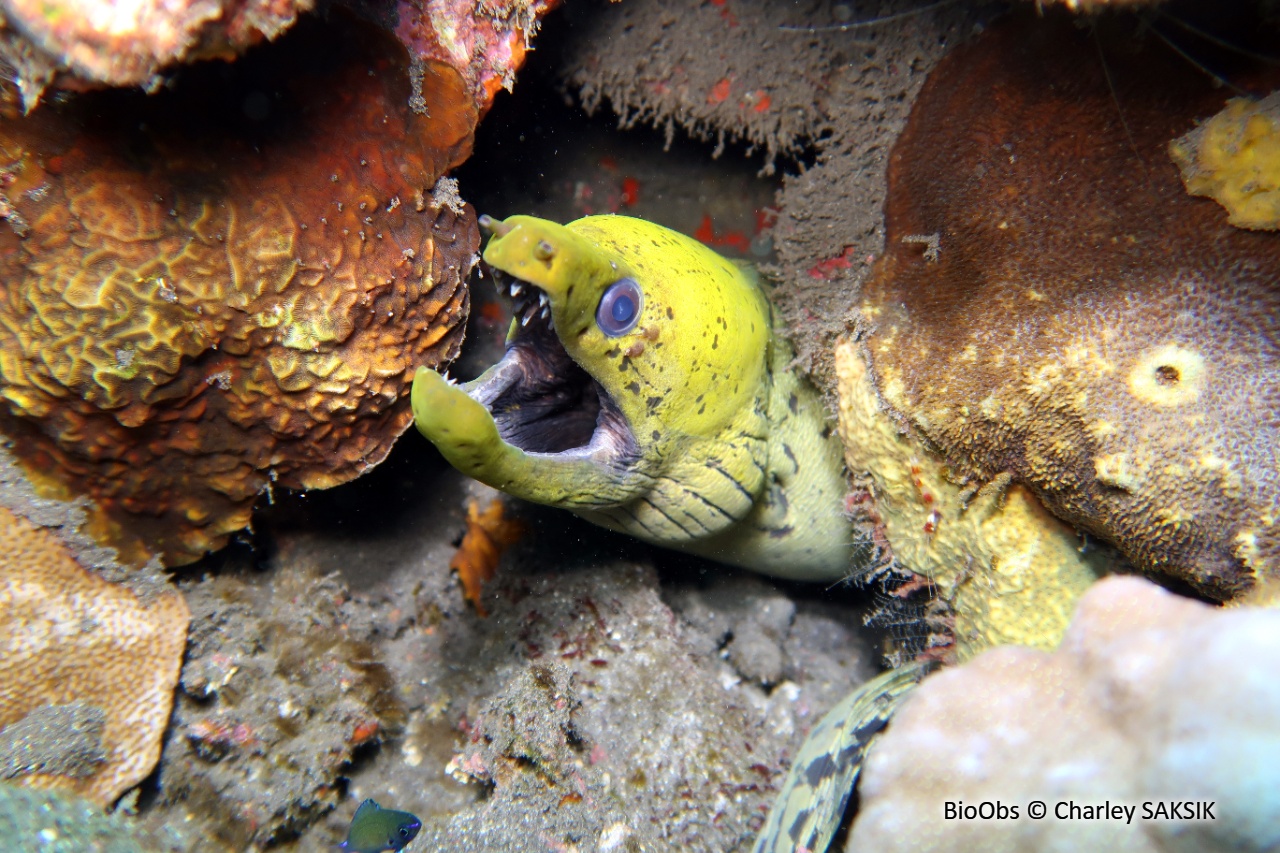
(541, 398)
(637, 391)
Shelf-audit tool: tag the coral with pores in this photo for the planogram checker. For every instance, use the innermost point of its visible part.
(54, 822)
(1054, 310)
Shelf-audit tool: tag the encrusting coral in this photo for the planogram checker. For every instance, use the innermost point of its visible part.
(79, 44)
(485, 40)
(1009, 571)
(87, 668)
(227, 285)
(1151, 698)
(1234, 158)
(85, 42)
(1053, 311)
(279, 691)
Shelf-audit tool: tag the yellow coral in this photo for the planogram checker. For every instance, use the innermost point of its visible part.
(1011, 571)
(1234, 158)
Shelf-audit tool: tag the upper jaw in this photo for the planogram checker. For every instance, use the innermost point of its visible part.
(528, 301)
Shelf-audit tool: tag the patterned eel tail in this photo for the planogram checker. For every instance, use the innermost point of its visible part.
(812, 801)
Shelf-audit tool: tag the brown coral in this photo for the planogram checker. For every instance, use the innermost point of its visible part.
(227, 285)
(87, 669)
(1053, 306)
(1091, 6)
(79, 44)
(118, 44)
(486, 41)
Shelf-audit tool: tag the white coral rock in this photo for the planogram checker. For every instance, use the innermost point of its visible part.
(1150, 698)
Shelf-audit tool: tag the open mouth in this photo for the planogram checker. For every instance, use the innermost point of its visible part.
(540, 398)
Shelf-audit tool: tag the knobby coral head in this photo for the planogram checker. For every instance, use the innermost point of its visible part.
(226, 285)
(1053, 306)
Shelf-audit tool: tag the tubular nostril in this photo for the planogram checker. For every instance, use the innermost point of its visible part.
(495, 227)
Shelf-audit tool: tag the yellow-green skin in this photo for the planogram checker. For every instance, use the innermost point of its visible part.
(736, 462)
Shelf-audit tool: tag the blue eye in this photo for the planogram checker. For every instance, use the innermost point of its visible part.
(619, 309)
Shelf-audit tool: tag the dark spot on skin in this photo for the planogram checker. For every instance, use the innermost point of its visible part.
(864, 734)
(656, 435)
(826, 432)
(700, 396)
(623, 365)
(670, 314)
(634, 387)
(613, 353)
(793, 404)
(568, 294)
(715, 342)
(702, 408)
(781, 532)
(818, 771)
(653, 402)
(787, 450)
(797, 827)
(1167, 374)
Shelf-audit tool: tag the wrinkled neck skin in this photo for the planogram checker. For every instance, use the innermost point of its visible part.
(784, 514)
(688, 431)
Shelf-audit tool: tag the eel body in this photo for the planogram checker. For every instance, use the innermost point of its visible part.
(644, 388)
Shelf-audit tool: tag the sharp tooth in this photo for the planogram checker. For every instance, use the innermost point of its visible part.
(516, 288)
(542, 298)
(524, 321)
(546, 312)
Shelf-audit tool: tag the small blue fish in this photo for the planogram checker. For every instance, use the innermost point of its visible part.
(374, 829)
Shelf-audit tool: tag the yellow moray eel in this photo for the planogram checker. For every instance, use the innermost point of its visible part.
(644, 389)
